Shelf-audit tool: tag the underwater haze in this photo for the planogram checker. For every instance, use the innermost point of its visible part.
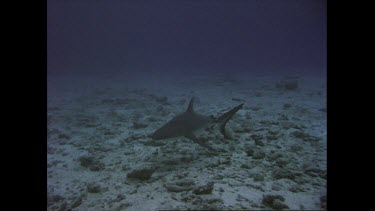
(186, 104)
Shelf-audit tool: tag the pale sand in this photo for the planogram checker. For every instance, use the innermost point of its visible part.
(94, 116)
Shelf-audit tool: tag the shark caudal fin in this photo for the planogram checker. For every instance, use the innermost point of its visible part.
(223, 119)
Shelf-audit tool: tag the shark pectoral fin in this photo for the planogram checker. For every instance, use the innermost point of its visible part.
(222, 130)
(199, 141)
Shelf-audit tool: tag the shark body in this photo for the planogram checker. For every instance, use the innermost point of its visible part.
(188, 122)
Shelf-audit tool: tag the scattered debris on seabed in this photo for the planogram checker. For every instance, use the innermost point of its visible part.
(101, 158)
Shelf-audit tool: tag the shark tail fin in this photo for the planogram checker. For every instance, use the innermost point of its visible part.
(223, 119)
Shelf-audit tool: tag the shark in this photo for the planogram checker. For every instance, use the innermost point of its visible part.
(186, 124)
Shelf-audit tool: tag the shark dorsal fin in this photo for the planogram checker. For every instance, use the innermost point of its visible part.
(190, 108)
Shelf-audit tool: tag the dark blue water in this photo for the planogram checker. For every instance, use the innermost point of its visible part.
(186, 36)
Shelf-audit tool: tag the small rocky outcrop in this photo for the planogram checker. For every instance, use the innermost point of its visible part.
(51, 199)
(259, 155)
(94, 188)
(180, 185)
(257, 177)
(91, 163)
(274, 202)
(204, 189)
(141, 173)
(249, 152)
(139, 125)
(287, 106)
(283, 174)
(304, 136)
(259, 142)
(315, 172)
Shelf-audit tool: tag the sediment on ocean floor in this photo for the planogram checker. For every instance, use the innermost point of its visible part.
(100, 156)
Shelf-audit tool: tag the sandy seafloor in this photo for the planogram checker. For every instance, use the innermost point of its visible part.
(97, 135)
